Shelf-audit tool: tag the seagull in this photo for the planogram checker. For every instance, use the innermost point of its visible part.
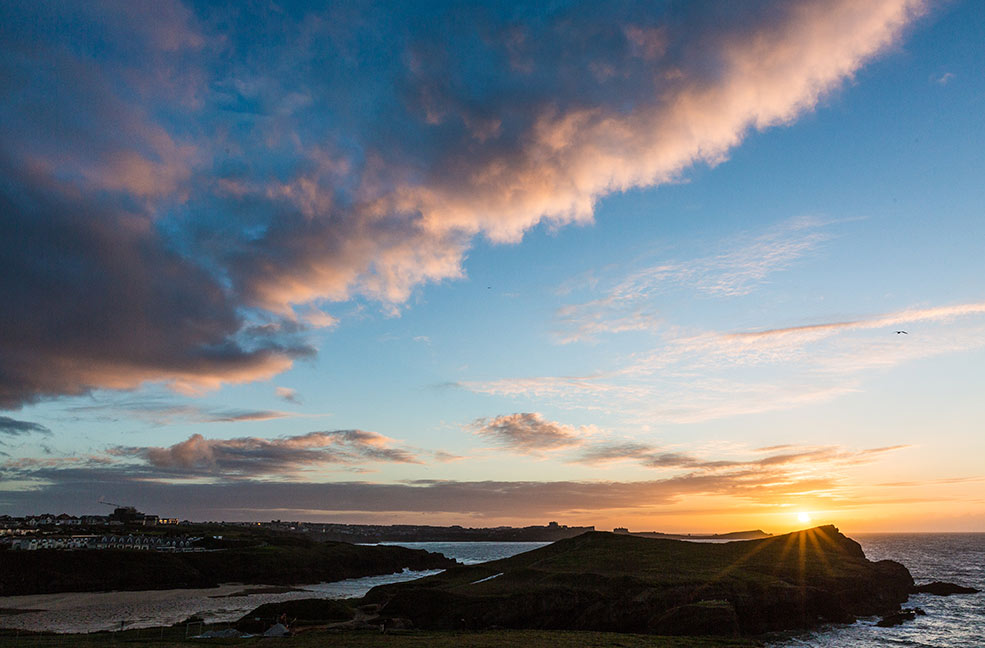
(903, 332)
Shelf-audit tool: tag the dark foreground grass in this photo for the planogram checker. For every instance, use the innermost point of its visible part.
(174, 638)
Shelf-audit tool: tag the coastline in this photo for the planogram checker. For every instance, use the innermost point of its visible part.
(83, 612)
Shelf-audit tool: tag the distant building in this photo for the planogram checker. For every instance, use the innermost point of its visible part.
(620, 530)
(130, 515)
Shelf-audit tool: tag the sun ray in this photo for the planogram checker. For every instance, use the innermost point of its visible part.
(783, 552)
(812, 537)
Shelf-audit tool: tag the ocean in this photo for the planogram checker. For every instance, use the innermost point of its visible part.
(950, 622)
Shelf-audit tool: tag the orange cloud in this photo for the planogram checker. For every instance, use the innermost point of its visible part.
(410, 227)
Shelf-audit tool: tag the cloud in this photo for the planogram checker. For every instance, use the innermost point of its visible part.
(815, 457)
(69, 485)
(744, 263)
(288, 394)
(238, 416)
(646, 455)
(165, 411)
(584, 322)
(528, 432)
(693, 376)
(445, 457)
(237, 165)
(254, 457)
(70, 489)
(94, 299)
(13, 427)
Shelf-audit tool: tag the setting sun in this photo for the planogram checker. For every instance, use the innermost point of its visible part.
(803, 518)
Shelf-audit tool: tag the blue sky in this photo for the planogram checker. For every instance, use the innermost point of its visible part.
(613, 266)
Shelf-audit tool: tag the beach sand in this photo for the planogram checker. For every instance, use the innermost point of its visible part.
(94, 611)
(80, 612)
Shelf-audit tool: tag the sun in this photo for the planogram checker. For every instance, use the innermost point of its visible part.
(803, 518)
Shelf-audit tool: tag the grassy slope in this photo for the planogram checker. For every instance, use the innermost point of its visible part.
(658, 562)
(616, 582)
(174, 638)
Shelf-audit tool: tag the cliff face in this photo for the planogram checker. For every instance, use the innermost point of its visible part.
(603, 581)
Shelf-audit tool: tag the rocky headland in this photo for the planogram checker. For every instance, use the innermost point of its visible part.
(612, 582)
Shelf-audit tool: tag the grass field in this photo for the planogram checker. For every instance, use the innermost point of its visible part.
(175, 638)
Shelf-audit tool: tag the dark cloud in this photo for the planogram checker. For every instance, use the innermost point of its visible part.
(169, 480)
(77, 489)
(13, 427)
(95, 299)
(527, 432)
(179, 183)
(254, 457)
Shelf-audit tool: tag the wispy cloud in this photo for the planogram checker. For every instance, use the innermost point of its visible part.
(689, 377)
(813, 458)
(744, 263)
(166, 411)
(14, 427)
(795, 342)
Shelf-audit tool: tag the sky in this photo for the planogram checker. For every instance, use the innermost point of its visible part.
(679, 266)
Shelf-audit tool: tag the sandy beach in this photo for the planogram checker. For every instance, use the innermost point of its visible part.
(94, 611)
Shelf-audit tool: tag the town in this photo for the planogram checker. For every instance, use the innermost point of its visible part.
(129, 529)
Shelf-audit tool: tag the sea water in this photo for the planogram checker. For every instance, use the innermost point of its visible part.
(956, 621)
(472, 553)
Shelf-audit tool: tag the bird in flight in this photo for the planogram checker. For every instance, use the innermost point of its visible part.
(903, 332)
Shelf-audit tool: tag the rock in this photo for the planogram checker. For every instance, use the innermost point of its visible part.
(942, 589)
(302, 611)
(897, 618)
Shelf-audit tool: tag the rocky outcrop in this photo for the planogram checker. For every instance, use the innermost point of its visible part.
(897, 618)
(302, 611)
(609, 582)
(941, 588)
